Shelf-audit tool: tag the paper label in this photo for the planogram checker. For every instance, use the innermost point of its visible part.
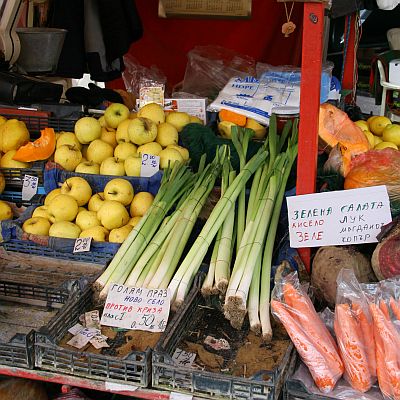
(151, 94)
(150, 165)
(75, 329)
(119, 387)
(82, 244)
(195, 107)
(98, 341)
(136, 308)
(183, 358)
(342, 217)
(180, 396)
(92, 319)
(29, 188)
(83, 337)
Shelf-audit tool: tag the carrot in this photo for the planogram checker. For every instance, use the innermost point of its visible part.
(384, 308)
(325, 374)
(395, 308)
(390, 340)
(352, 348)
(231, 116)
(367, 329)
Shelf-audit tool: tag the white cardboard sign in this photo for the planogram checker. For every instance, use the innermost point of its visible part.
(29, 187)
(136, 308)
(341, 217)
(150, 165)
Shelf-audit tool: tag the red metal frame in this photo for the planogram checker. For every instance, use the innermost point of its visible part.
(311, 67)
(348, 81)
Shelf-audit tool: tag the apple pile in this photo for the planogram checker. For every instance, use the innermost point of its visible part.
(73, 211)
(113, 144)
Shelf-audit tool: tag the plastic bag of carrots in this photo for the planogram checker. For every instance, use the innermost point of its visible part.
(354, 332)
(315, 345)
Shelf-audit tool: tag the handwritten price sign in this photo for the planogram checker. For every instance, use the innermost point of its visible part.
(150, 165)
(183, 358)
(82, 244)
(136, 308)
(29, 186)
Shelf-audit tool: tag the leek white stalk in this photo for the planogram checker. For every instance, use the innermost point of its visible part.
(254, 298)
(208, 287)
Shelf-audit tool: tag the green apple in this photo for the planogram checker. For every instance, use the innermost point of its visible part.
(178, 119)
(68, 138)
(152, 111)
(116, 113)
(5, 211)
(69, 157)
(133, 165)
(65, 229)
(41, 211)
(124, 150)
(88, 167)
(78, 188)
(122, 135)
(119, 189)
(96, 201)
(14, 134)
(142, 130)
(118, 235)
(112, 214)
(140, 204)
(109, 135)
(7, 161)
(112, 166)
(36, 226)
(97, 233)
(63, 208)
(87, 219)
(87, 129)
(167, 134)
(150, 148)
(98, 151)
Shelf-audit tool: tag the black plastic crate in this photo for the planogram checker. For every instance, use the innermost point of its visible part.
(16, 198)
(266, 385)
(134, 369)
(15, 176)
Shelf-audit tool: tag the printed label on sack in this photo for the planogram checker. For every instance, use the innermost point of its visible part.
(341, 217)
(29, 186)
(82, 244)
(183, 358)
(136, 308)
(150, 165)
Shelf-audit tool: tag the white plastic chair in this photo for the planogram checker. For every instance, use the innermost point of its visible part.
(385, 86)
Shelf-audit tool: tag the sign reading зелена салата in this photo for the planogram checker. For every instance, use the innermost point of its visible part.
(338, 218)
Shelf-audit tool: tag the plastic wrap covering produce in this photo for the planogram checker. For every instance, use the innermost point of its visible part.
(209, 68)
(315, 345)
(354, 332)
(374, 168)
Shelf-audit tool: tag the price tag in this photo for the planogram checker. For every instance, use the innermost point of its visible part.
(136, 308)
(75, 329)
(150, 165)
(183, 358)
(83, 337)
(82, 244)
(98, 341)
(29, 186)
(92, 319)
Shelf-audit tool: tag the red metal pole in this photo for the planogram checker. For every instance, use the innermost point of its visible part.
(311, 67)
(348, 81)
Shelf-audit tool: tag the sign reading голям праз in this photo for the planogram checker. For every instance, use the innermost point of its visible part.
(136, 308)
(342, 217)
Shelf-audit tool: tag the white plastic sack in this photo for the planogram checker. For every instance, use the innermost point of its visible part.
(387, 4)
(255, 98)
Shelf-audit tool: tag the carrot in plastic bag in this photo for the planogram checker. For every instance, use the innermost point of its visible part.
(394, 305)
(352, 348)
(325, 374)
(388, 337)
(367, 329)
(384, 308)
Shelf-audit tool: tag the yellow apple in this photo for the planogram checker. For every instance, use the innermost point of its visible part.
(363, 125)
(36, 226)
(88, 167)
(259, 130)
(109, 135)
(41, 211)
(87, 219)
(7, 161)
(64, 229)
(118, 235)
(168, 157)
(124, 150)
(178, 119)
(384, 145)
(14, 134)
(96, 201)
(142, 130)
(377, 140)
(68, 138)
(87, 129)
(370, 138)
(152, 111)
(391, 133)
(112, 214)
(225, 128)
(133, 165)
(378, 124)
(102, 122)
(112, 166)
(119, 189)
(51, 195)
(134, 221)
(5, 211)
(69, 157)
(3, 119)
(140, 204)
(122, 134)
(196, 120)
(166, 134)
(78, 188)
(63, 208)
(183, 150)
(98, 151)
(116, 113)
(153, 148)
(2, 183)
(97, 233)
(84, 152)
